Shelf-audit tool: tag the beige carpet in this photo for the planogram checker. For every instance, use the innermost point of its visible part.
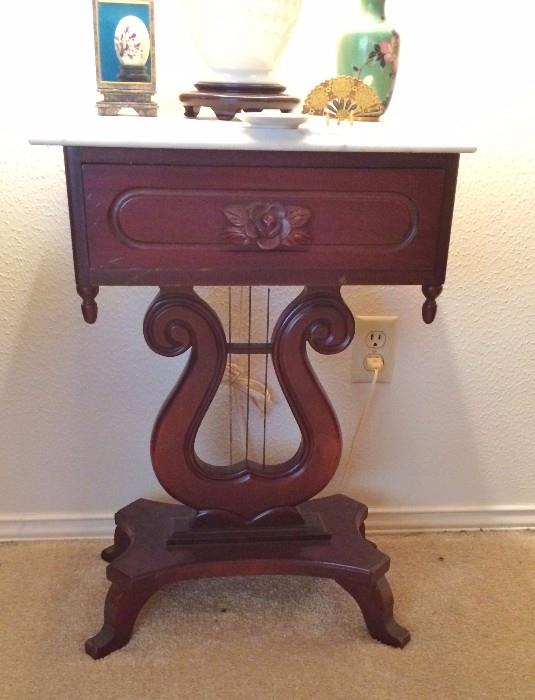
(468, 599)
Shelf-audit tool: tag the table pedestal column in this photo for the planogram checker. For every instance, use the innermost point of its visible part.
(246, 518)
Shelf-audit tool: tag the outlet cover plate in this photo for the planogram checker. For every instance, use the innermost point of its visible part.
(375, 335)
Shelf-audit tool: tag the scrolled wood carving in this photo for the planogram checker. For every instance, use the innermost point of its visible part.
(179, 320)
(321, 318)
(267, 226)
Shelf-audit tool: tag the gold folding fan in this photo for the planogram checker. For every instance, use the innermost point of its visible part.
(345, 99)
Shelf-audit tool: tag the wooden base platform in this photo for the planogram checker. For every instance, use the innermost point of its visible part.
(145, 557)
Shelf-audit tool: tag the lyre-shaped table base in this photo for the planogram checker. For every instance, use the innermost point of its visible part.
(142, 562)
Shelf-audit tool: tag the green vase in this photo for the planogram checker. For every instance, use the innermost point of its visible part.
(371, 53)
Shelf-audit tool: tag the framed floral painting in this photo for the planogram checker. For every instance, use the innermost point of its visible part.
(125, 56)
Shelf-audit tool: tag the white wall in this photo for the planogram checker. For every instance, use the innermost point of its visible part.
(455, 428)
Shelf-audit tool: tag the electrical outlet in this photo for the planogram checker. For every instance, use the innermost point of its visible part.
(375, 335)
(375, 339)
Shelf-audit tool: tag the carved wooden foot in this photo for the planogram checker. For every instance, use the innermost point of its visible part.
(226, 115)
(120, 545)
(120, 612)
(191, 112)
(377, 605)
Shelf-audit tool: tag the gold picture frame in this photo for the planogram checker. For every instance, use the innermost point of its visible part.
(124, 84)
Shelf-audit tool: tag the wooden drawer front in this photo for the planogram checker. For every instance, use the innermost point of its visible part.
(203, 223)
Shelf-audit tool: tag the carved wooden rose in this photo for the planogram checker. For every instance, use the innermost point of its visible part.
(268, 226)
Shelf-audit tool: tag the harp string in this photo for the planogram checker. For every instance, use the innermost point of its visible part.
(245, 391)
(230, 390)
(248, 412)
(266, 391)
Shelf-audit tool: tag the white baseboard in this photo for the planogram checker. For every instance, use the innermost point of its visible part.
(55, 526)
(60, 526)
(438, 519)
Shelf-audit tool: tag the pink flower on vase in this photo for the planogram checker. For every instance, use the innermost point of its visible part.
(390, 51)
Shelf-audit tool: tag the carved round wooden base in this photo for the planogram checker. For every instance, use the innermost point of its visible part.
(227, 99)
(143, 559)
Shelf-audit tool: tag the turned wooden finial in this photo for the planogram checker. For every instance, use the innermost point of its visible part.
(429, 309)
(89, 306)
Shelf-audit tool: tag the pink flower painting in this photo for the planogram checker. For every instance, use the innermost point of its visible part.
(385, 53)
(127, 44)
(389, 51)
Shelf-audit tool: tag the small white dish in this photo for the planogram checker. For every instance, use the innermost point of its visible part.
(273, 121)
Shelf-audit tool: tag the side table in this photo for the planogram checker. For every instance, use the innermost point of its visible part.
(149, 211)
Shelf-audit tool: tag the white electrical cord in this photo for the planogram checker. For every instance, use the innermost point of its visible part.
(259, 392)
(345, 470)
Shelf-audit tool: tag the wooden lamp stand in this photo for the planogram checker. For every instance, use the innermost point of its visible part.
(228, 99)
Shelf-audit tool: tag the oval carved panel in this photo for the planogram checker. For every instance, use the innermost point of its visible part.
(170, 219)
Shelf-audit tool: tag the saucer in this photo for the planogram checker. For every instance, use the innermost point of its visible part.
(273, 121)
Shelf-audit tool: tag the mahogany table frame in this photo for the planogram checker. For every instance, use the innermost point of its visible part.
(177, 218)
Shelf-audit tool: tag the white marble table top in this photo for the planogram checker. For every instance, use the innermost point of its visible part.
(388, 136)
